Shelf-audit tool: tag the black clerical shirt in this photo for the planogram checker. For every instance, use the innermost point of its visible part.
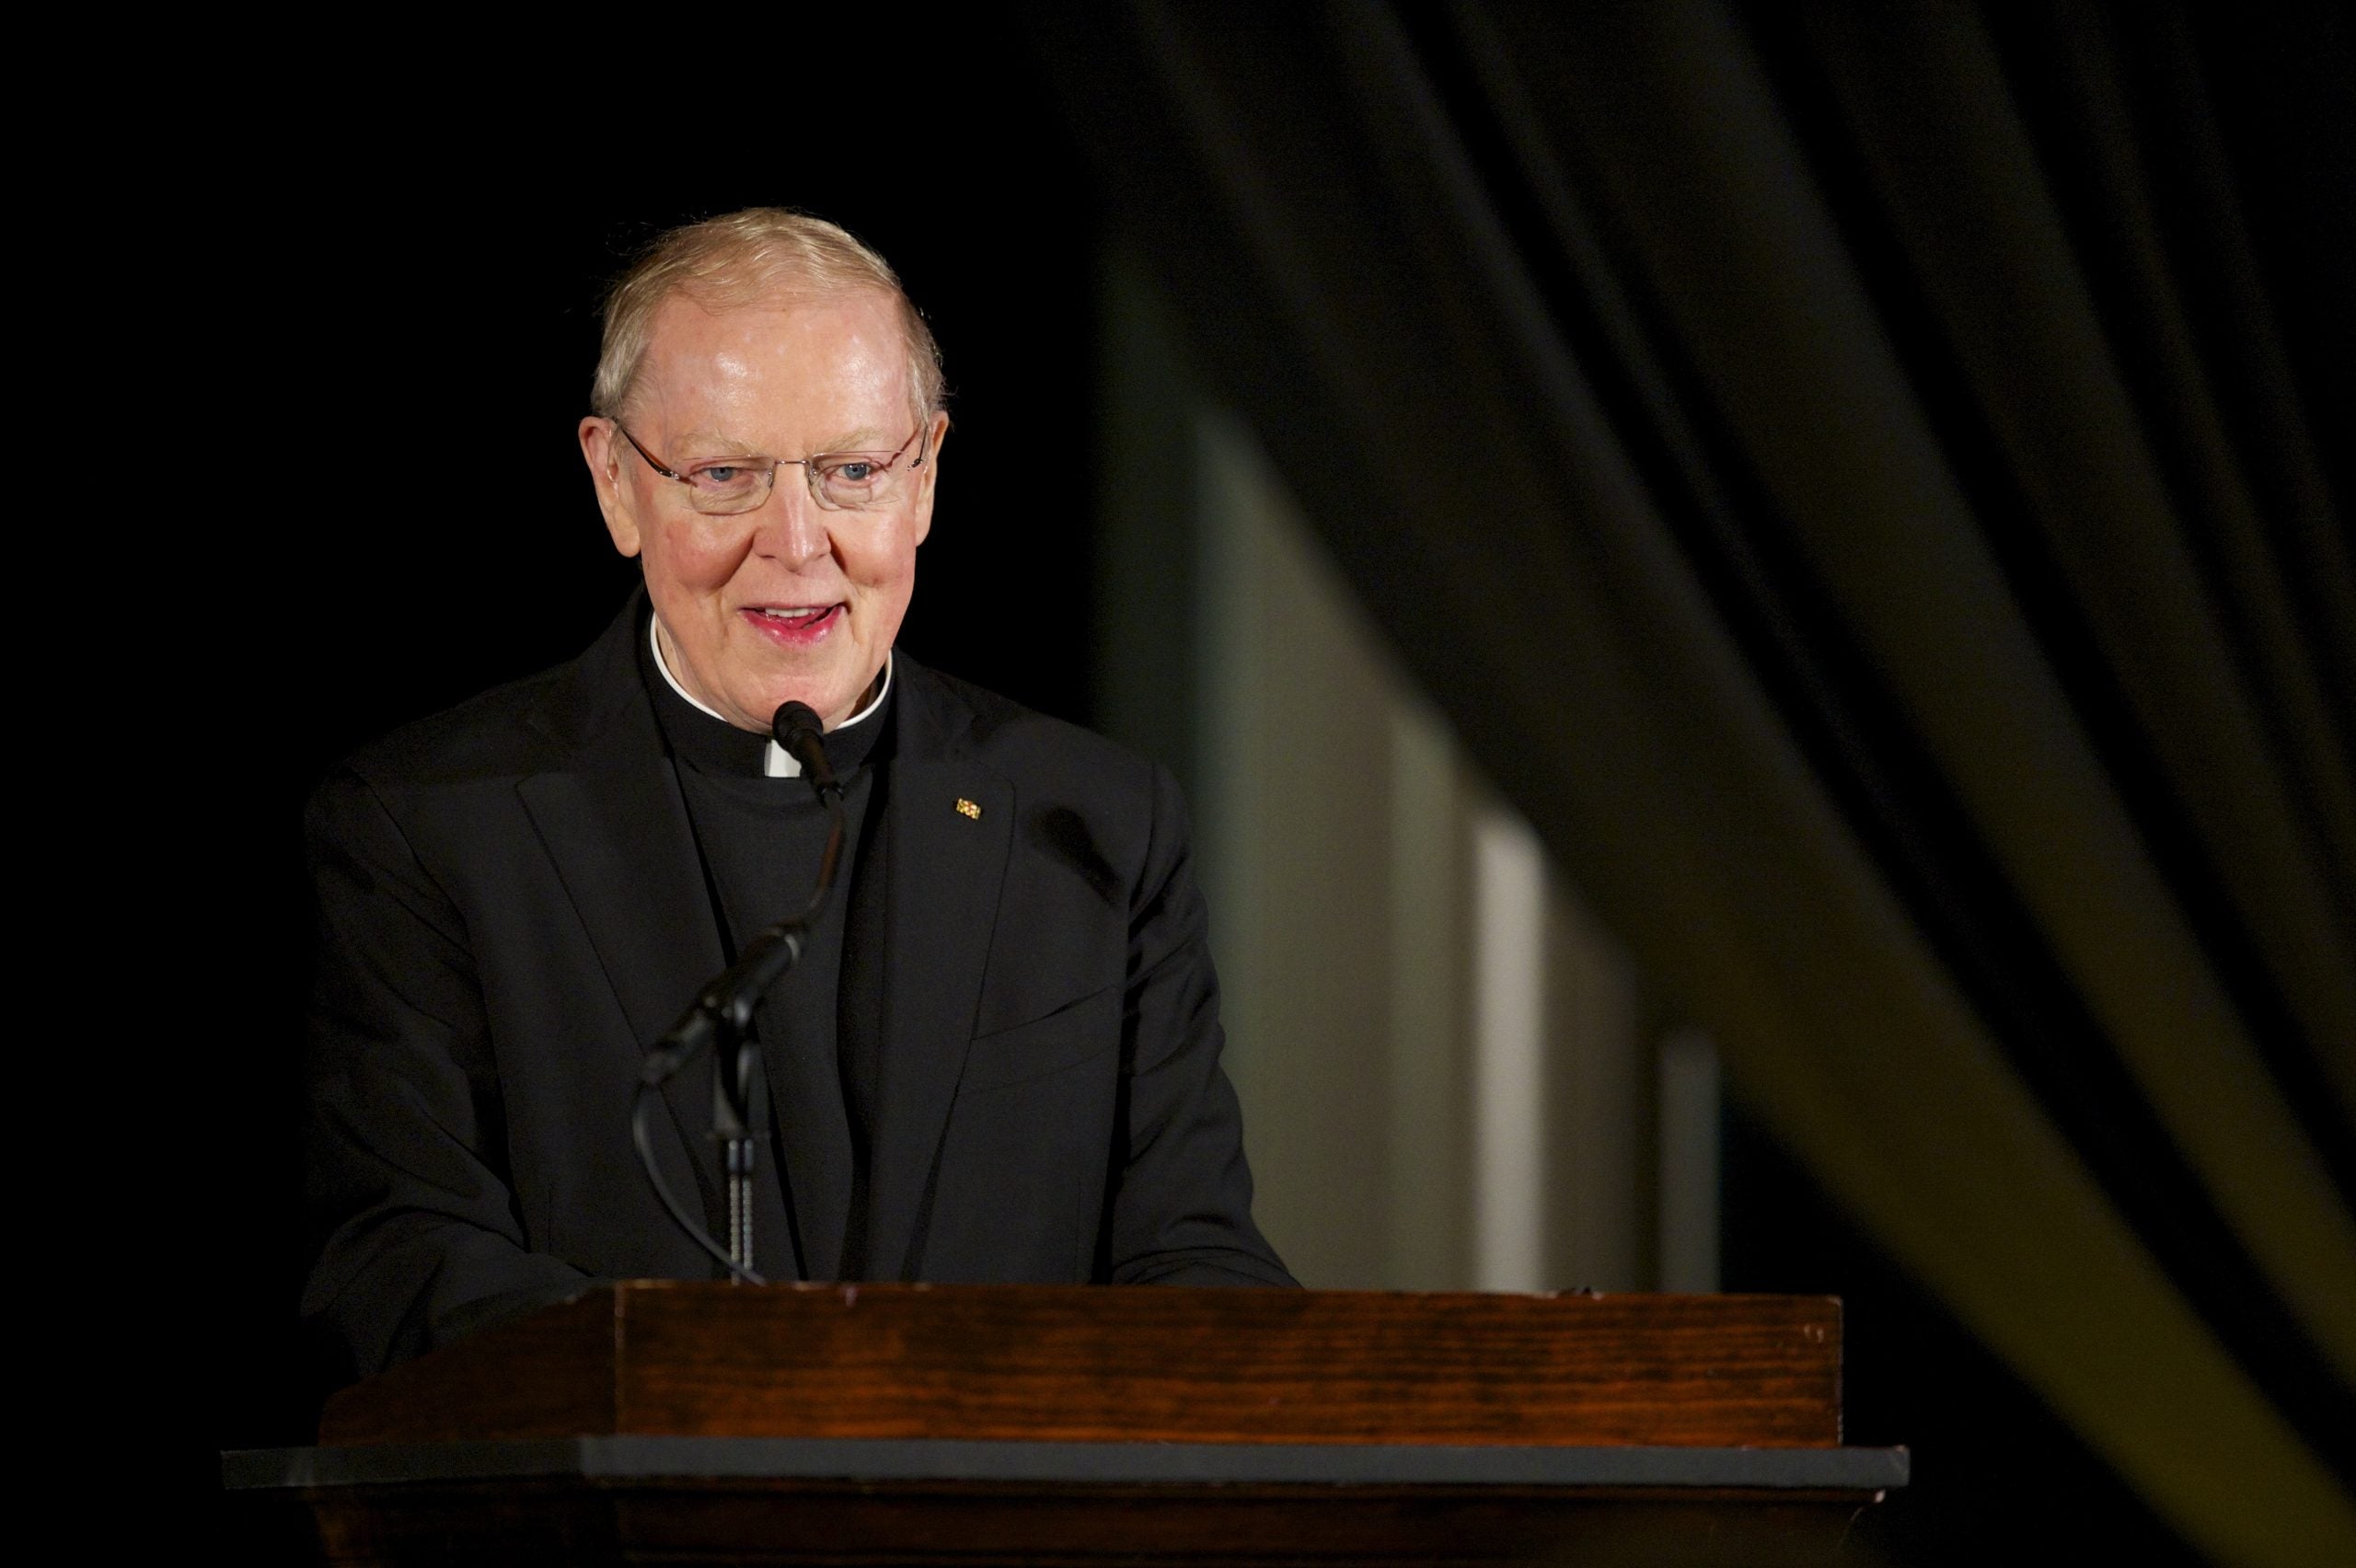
(761, 839)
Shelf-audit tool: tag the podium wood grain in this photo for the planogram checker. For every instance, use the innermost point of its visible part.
(1093, 1364)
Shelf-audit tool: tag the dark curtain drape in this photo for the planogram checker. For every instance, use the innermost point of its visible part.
(1870, 481)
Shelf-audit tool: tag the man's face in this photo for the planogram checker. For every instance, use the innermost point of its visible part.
(789, 602)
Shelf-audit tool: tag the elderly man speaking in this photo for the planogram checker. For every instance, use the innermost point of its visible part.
(997, 1057)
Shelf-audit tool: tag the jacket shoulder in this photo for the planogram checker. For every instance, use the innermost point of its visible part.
(523, 726)
(1033, 748)
(501, 732)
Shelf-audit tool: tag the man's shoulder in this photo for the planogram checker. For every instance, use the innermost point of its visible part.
(501, 733)
(519, 727)
(442, 780)
(1028, 746)
(1083, 802)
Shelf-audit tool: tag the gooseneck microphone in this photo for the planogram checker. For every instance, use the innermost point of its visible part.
(720, 1019)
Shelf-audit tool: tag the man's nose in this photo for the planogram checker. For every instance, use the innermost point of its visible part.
(789, 526)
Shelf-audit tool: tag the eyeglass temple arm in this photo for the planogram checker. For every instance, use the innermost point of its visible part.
(652, 461)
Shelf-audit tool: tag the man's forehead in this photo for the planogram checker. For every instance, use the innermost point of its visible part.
(843, 347)
(774, 321)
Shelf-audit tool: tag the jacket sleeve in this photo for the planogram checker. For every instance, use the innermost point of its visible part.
(417, 1235)
(1182, 1210)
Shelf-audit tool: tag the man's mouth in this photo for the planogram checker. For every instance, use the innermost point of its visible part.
(801, 619)
(796, 626)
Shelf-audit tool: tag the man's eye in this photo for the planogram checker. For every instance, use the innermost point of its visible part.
(847, 471)
(719, 477)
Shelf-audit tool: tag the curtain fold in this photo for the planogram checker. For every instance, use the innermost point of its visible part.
(1988, 244)
(1846, 483)
(1784, 345)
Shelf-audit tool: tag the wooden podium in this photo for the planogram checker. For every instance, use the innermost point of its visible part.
(695, 1422)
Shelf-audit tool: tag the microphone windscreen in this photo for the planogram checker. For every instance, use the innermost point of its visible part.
(796, 726)
(804, 739)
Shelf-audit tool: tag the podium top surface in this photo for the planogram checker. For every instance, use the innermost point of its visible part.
(885, 1460)
(1102, 1363)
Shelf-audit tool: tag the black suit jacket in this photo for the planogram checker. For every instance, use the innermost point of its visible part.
(512, 908)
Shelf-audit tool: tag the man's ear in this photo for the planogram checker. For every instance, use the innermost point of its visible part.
(601, 448)
(931, 470)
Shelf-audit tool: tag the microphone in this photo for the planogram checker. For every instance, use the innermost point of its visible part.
(721, 1017)
(796, 728)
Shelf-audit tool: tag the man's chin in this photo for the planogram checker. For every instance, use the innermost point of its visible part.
(828, 699)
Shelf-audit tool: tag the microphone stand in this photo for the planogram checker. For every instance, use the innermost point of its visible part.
(720, 1020)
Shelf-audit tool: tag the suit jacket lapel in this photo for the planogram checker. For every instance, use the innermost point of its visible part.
(950, 822)
(621, 844)
(616, 828)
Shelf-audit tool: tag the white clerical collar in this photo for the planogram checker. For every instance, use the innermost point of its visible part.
(776, 762)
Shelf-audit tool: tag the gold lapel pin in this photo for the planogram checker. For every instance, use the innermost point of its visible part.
(967, 808)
